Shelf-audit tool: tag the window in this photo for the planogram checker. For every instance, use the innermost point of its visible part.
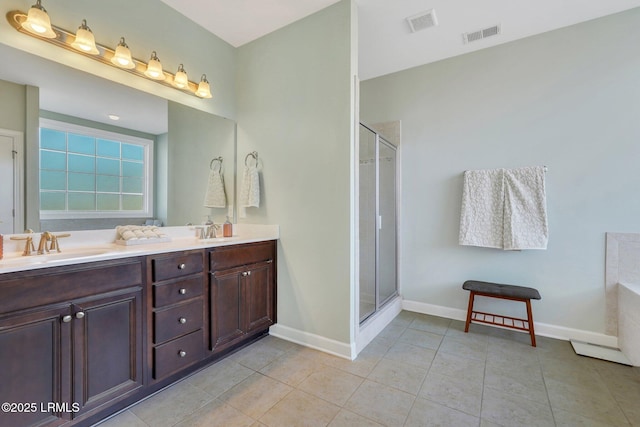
(91, 173)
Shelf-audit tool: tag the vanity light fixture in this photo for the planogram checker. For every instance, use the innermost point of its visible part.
(38, 21)
(181, 80)
(85, 41)
(122, 56)
(154, 68)
(204, 90)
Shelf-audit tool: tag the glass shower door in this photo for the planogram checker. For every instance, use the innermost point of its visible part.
(377, 219)
(387, 274)
(367, 206)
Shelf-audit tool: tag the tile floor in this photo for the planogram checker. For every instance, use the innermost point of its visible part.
(420, 371)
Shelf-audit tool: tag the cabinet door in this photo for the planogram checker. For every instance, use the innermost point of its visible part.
(107, 348)
(227, 320)
(36, 362)
(259, 300)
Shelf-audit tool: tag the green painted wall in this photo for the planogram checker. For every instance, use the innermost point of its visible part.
(295, 109)
(12, 106)
(568, 99)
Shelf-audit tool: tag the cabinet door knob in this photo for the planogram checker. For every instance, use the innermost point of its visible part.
(182, 320)
(249, 273)
(67, 318)
(80, 315)
(182, 353)
(182, 266)
(244, 273)
(182, 291)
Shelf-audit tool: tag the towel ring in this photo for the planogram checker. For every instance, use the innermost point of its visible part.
(217, 159)
(253, 154)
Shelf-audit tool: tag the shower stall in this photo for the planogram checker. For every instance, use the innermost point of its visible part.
(377, 222)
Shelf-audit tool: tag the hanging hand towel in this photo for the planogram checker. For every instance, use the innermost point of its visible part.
(525, 209)
(481, 217)
(215, 197)
(250, 191)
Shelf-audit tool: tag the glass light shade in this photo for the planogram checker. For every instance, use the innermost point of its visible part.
(85, 42)
(122, 56)
(38, 22)
(204, 90)
(181, 80)
(154, 68)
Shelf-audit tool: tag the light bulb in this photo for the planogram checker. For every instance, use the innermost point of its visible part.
(122, 56)
(204, 90)
(38, 22)
(154, 68)
(181, 80)
(85, 41)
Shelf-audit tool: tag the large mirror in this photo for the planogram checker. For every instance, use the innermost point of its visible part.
(185, 140)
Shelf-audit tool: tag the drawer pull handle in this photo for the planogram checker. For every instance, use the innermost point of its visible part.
(80, 315)
(182, 291)
(182, 266)
(182, 320)
(182, 353)
(67, 318)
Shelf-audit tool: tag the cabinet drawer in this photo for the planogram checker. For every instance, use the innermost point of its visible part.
(232, 256)
(177, 321)
(178, 354)
(176, 265)
(171, 293)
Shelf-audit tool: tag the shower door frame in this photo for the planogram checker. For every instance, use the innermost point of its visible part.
(379, 139)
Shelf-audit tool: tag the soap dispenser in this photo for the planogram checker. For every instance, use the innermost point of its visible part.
(227, 228)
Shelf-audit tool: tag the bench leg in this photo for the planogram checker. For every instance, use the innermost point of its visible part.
(469, 310)
(530, 319)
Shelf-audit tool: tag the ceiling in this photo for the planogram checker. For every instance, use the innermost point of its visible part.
(386, 44)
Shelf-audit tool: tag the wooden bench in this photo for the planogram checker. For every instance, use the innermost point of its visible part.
(510, 292)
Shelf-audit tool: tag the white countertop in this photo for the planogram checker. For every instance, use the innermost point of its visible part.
(99, 245)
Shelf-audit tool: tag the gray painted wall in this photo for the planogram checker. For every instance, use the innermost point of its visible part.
(295, 109)
(568, 99)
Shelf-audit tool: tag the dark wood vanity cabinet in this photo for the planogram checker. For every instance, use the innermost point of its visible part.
(177, 311)
(79, 342)
(242, 293)
(70, 340)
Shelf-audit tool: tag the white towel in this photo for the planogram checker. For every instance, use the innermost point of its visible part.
(525, 209)
(504, 208)
(215, 196)
(250, 191)
(481, 218)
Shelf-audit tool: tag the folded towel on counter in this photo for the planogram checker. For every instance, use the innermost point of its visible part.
(134, 232)
(215, 196)
(250, 191)
(504, 208)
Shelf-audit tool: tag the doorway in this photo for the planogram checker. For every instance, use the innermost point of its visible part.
(11, 182)
(378, 222)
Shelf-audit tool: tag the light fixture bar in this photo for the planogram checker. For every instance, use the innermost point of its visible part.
(65, 38)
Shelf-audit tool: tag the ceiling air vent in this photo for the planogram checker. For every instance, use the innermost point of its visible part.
(422, 20)
(481, 34)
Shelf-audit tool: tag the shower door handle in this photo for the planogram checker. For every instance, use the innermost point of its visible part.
(379, 222)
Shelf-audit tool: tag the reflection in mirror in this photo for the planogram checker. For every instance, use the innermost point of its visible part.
(184, 139)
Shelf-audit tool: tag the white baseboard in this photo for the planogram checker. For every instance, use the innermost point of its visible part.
(316, 342)
(542, 329)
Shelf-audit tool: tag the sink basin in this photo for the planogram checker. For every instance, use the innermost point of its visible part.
(77, 255)
(216, 239)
